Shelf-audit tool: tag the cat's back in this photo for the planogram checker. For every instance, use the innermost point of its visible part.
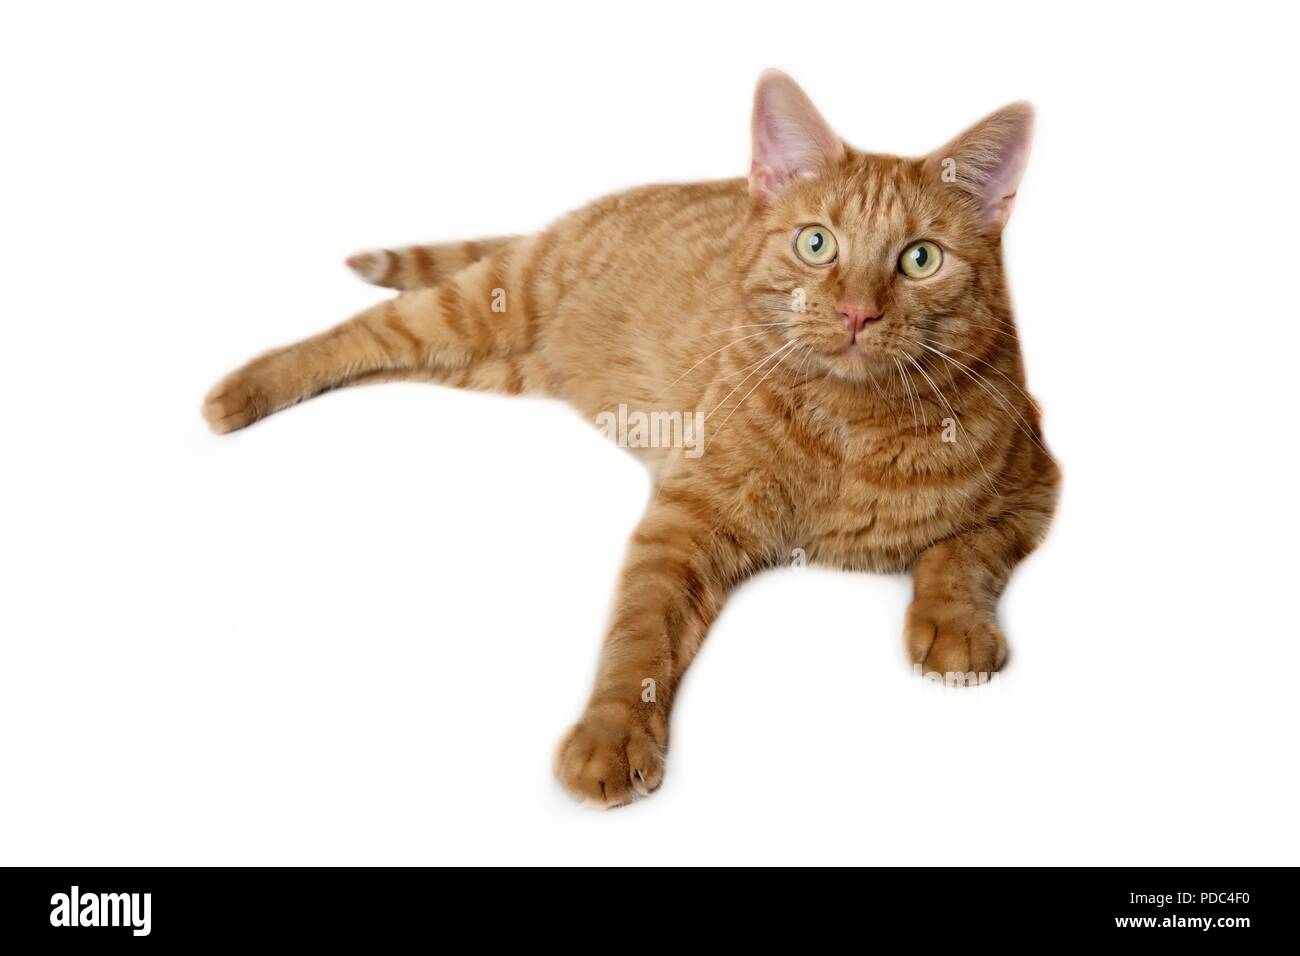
(644, 237)
(622, 278)
(663, 209)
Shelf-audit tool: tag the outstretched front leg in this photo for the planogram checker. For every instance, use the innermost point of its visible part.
(692, 546)
(952, 629)
(481, 315)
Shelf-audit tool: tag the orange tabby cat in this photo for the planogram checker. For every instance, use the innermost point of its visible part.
(821, 358)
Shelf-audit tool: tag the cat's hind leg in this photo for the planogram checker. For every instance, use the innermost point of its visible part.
(425, 265)
(475, 330)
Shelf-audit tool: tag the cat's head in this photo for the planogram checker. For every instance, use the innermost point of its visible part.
(869, 259)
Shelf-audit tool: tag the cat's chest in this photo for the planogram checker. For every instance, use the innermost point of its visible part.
(878, 497)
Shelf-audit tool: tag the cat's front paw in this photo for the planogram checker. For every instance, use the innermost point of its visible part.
(610, 757)
(954, 640)
(234, 402)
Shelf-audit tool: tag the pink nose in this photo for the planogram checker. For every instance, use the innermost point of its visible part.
(856, 318)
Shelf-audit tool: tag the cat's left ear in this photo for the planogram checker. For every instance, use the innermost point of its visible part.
(791, 140)
(988, 160)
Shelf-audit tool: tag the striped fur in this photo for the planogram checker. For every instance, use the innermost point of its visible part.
(922, 451)
(419, 267)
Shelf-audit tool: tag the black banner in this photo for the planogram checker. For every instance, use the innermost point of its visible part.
(138, 907)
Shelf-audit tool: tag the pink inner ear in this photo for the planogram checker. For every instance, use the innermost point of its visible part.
(763, 182)
(1000, 192)
(790, 137)
(991, 158)
(766, 183)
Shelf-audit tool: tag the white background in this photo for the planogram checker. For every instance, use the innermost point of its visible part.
(354, 632)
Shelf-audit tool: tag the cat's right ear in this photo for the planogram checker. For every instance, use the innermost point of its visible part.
(791, 140)
(988, 160)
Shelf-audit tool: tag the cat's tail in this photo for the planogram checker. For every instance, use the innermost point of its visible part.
(423, 266)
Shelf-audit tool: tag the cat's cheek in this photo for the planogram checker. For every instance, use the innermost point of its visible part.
(949, 294)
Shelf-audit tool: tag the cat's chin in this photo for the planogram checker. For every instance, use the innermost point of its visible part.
(854, 364)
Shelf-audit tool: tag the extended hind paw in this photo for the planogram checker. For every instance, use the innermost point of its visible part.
(235, 402)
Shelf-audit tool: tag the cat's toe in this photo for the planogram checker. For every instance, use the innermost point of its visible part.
(952, 640)
(609, 759)
(233, 403)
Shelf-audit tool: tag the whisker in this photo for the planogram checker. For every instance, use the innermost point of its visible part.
(776, 304)
(994, 368)
(934, 387)
(916, 392)
(747, 307)
(925, 425)
(733, 328)
(956, 419)
(992, 328)
(988, 387)
(907, 389)
(752, 390)
(759, 365)
(807, 354)
(666, 388)
(875, 386)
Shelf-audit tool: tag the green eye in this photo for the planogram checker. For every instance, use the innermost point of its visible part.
(815, 245)
(920, 260)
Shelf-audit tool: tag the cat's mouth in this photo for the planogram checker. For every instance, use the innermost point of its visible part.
(866, 359)
(859, 353)
(858, 358)
(852, 362)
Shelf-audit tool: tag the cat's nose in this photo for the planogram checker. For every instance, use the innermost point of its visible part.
(856, 317)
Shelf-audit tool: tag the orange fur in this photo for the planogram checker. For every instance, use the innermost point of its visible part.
(416, 267)
(917, 448)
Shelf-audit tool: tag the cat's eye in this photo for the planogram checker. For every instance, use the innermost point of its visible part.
(815, 245)
(920, 260)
